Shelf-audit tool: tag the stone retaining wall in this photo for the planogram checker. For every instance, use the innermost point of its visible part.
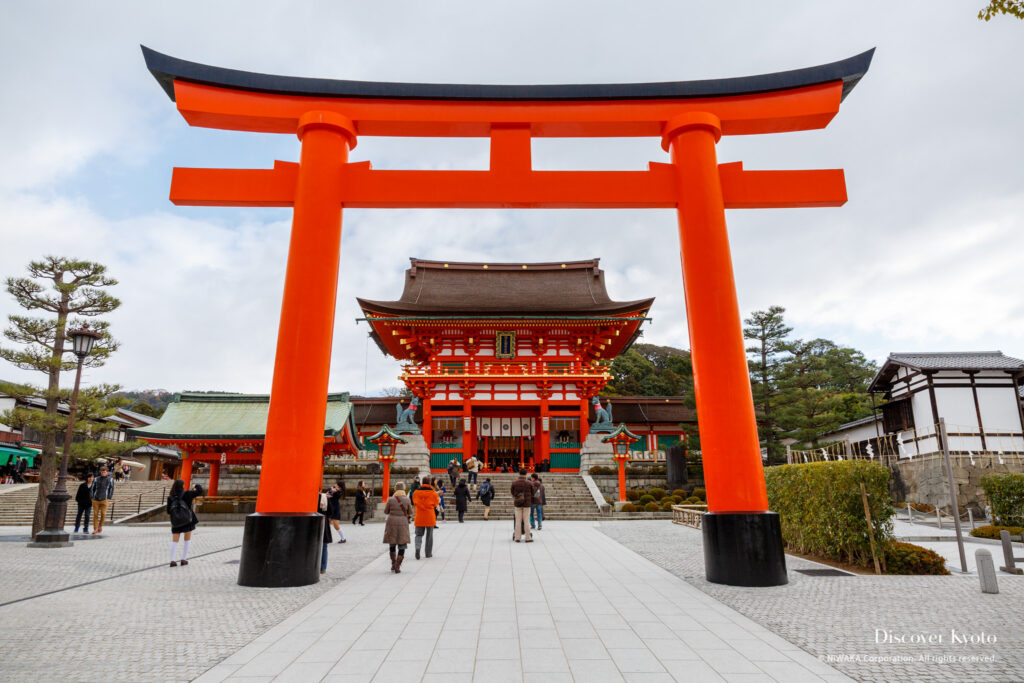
(926, 482)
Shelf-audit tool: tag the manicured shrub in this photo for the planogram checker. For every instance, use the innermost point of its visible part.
(633, 495)
(629, 507)
(923, 507)
(680, 494)
(1005, 494)
(646, 498)
(657, 493)
(700, 493)
(907, 558)
(652, 507)
(822, 512)
(666, 504)
(993, 531)
(599, 469)
(693, 500)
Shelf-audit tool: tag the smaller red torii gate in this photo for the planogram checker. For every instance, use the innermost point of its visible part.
(742, 540)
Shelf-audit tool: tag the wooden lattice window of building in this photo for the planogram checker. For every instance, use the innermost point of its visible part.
(898, 416)
(453, 368)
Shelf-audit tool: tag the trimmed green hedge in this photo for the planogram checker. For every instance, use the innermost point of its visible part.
(992, 531)
(821, 509)
(1005, 493)
(907, 558)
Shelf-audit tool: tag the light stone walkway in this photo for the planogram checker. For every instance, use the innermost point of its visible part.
(836, 618)
(574, 605)
(156, 624)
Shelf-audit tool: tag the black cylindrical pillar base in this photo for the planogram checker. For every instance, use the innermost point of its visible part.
(282, 549)
(744, 549)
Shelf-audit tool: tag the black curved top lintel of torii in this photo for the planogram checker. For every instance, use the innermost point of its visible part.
(167, 69)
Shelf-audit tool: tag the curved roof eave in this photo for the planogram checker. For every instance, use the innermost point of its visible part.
(166, 69)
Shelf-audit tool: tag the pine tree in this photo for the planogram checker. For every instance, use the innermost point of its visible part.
(769, 331)
(67, 290)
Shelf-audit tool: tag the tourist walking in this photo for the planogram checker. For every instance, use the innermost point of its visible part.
(101, 491)
(84, 499)
(183, 517)
(361, 497)
(334, 495)
(19, 470)
(426, 501)
(539, 500)
(522, 498)
(442, 492)
(323, 506)
(453, 470)
(397, 514)
(472, 469)
(485, 495)
(461, 499)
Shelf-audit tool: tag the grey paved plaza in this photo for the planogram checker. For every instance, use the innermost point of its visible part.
(595, 602)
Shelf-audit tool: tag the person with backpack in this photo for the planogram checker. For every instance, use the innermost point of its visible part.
(485, 495)
(522, 498)
(461, 499)
(539, 499)
(183, 517)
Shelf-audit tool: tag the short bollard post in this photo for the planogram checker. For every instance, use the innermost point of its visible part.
(986, 571)
(910, 513)
(970, 517)
(938, 516)
(1009, 566)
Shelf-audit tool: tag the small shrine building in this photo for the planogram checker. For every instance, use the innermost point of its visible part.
(506, 361)
(221, 430)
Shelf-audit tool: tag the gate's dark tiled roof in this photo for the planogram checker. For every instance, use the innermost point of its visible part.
(439, 288)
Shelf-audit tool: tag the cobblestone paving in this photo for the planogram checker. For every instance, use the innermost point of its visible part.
(837, 617)
(158, 624)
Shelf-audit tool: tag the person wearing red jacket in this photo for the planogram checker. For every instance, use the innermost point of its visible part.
(426, 500)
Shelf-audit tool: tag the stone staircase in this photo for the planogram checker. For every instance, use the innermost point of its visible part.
(567, 496)
(18, 501)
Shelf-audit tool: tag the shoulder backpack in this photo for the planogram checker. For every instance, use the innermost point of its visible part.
(536, 495)
(179, 512)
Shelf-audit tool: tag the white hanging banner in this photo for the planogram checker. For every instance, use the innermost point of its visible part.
(506, 426)
(526, 426)
(516, 427)
(484, 426)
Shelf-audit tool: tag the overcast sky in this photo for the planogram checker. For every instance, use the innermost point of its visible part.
(925, 256)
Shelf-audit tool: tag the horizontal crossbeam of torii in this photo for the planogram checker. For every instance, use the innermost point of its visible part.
(742, 541)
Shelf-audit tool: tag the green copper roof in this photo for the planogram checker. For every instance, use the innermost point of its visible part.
(621, 429)
(231, 416)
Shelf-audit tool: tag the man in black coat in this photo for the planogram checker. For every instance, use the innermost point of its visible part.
(84, 499)
(462, 496)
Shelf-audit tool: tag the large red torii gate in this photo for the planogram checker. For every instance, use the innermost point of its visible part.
(742, 540)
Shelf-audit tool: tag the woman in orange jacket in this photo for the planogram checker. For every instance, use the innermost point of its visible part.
(426, 500)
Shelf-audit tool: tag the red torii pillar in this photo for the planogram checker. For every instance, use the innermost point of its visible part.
(742, 539)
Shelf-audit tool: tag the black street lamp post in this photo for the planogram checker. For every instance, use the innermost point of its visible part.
(53, 535)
